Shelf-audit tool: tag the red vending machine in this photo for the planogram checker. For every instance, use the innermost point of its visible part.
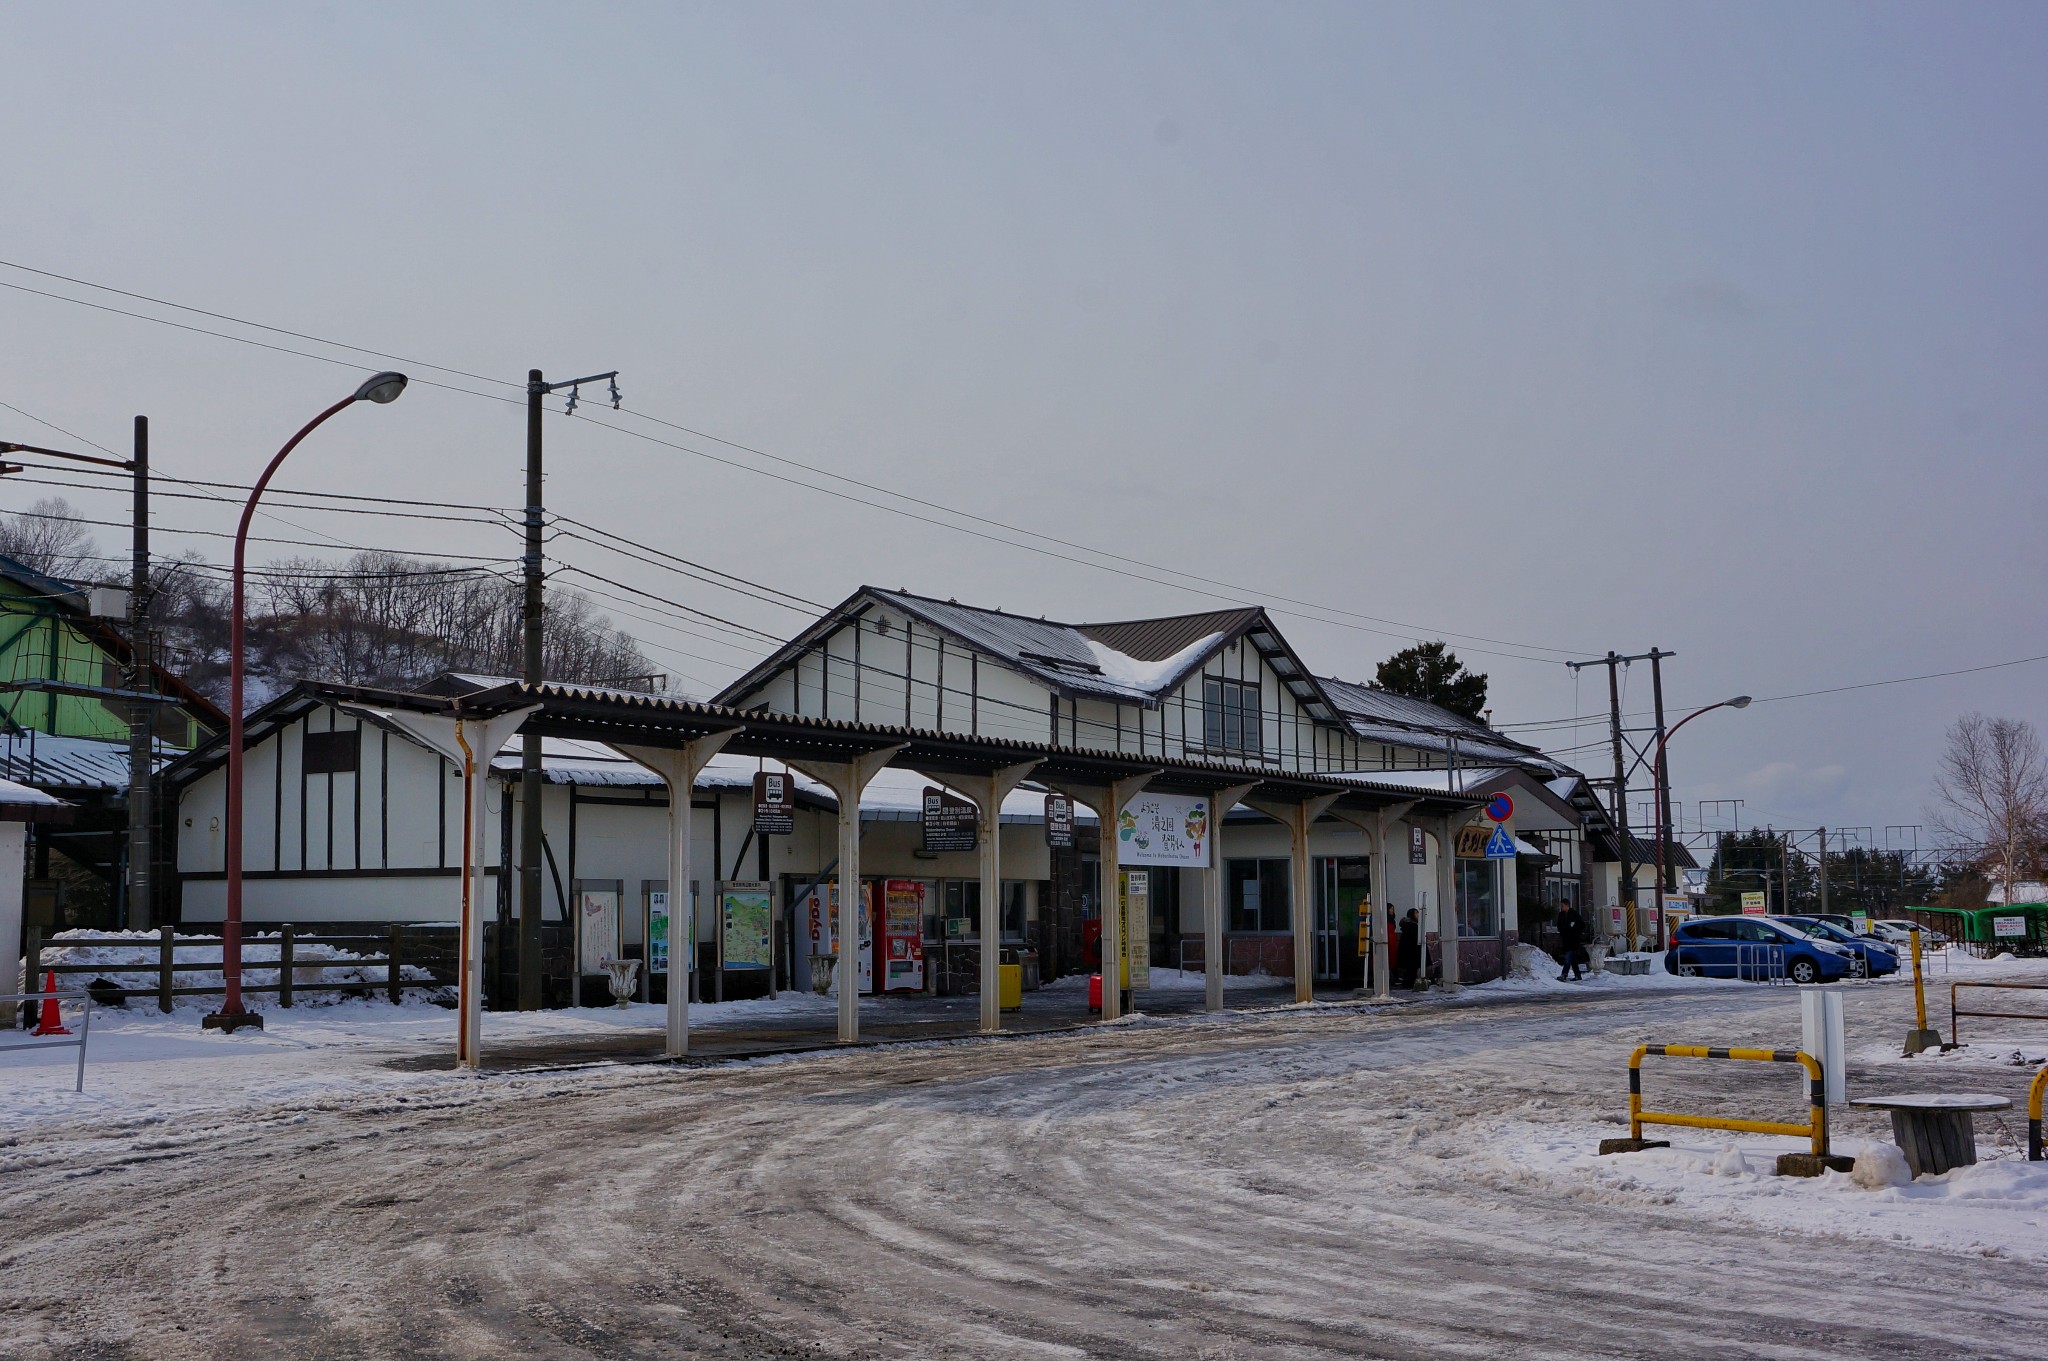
(902, 936)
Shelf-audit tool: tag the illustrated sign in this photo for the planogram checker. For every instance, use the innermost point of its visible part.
(1500, 807)
(1418, 846)
(1499, 846)
(597, 921)
(1753, 905)
(1471, 843)
(1059, 822)
(746, 924)
(2004, 927)
(950, 822)
(774, 803)
(657, 931)
(1137, 942)
(1163, 829)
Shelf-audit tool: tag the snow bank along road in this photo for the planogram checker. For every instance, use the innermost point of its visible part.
(1305, 1183)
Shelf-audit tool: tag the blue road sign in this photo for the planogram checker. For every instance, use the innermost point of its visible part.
(1500, 846)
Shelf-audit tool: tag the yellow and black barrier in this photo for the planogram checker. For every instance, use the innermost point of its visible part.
(2035, 1090)
(1815, 1128)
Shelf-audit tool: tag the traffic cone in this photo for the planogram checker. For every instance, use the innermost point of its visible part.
(52, 1022)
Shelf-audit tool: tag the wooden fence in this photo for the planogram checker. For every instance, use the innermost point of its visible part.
(388, 950)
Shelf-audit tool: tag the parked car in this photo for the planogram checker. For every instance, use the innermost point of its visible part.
(1874, 958)
(1897, 931)
(1755, 948)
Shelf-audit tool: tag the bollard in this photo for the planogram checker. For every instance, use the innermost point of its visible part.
(1920, 1037)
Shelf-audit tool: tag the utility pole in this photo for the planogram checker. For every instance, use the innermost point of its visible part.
(141, 715)
(1823, 870)
(1614, 661)
(533, 672)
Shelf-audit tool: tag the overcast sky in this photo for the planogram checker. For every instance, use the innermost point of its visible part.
(1544, 329)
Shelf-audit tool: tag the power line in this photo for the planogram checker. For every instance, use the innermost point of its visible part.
(1405, 630)
(254, 538)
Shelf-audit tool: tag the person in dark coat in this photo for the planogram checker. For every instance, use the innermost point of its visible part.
(1571, 934)
(1408, 953)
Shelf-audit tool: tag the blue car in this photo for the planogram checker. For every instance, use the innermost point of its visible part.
(1758, 949)
(1876, 957)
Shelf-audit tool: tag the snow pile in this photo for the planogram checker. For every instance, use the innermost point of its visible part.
(1126, 670)
(196, 963)
(1997, 1206)
(1879, 1167)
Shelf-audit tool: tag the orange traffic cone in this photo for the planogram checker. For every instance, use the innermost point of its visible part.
(52, 1022)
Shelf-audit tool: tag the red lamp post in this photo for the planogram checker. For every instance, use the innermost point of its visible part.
(383, 387)
(1664, 828)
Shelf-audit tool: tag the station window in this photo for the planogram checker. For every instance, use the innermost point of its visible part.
(1258, 896)
(332, 752)
(1476, 906)
(963, 904)
(1230, 716)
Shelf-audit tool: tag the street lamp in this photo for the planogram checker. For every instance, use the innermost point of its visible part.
(381, 388)
(1664, 828)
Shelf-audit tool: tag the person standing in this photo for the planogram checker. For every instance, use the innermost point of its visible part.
(1571, 934)
(1408, 971)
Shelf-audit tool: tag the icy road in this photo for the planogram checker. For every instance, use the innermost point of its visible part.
(1333, 1182)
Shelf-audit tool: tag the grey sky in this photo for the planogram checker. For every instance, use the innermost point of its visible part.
(1718, 328)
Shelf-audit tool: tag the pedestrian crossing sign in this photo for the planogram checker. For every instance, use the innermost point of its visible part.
(1500, 846)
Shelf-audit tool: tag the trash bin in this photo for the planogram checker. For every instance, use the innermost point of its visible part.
(1010, 994)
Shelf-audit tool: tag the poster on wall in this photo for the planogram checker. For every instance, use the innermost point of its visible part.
(597, 921)
(1137, 942)
(746, 924)
(1163, 829)
(903, 935)
(820, 918)
(657, 931)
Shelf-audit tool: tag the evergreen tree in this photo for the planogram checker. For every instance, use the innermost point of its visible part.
(1432, 672)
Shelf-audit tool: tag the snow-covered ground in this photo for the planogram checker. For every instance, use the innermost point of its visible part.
(1341, 1180)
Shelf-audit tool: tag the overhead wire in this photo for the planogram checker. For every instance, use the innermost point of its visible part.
(1399, 629)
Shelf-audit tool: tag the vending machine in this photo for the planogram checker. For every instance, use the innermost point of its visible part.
(902, 935)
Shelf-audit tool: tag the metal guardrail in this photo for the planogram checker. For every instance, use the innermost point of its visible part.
(1954, 1012)
(1815, 1129)
(166, 965)
(1755, 962)
(84, 1028)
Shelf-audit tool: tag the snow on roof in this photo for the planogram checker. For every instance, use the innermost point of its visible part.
(892, 796)
(1432, 781)
(69, 762)
(1150, 676)
(12, 793)
(1062, 655)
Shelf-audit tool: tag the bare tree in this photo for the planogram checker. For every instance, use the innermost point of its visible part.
(49, 537)
(1991, 790)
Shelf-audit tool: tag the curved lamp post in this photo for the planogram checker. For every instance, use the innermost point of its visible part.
(1663, 828)
(381, 388)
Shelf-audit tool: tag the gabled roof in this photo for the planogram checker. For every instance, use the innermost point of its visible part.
(67, 593)
(1135, 661)
(1383, 716)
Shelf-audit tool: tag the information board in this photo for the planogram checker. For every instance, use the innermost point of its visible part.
(774, 803)
(2008, 928)
(1753, 905)
(951, 823)
(746, 924)
(1418, 846)
(1059, 822)
(1137, 942)
(657, 931)
(597, 925)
